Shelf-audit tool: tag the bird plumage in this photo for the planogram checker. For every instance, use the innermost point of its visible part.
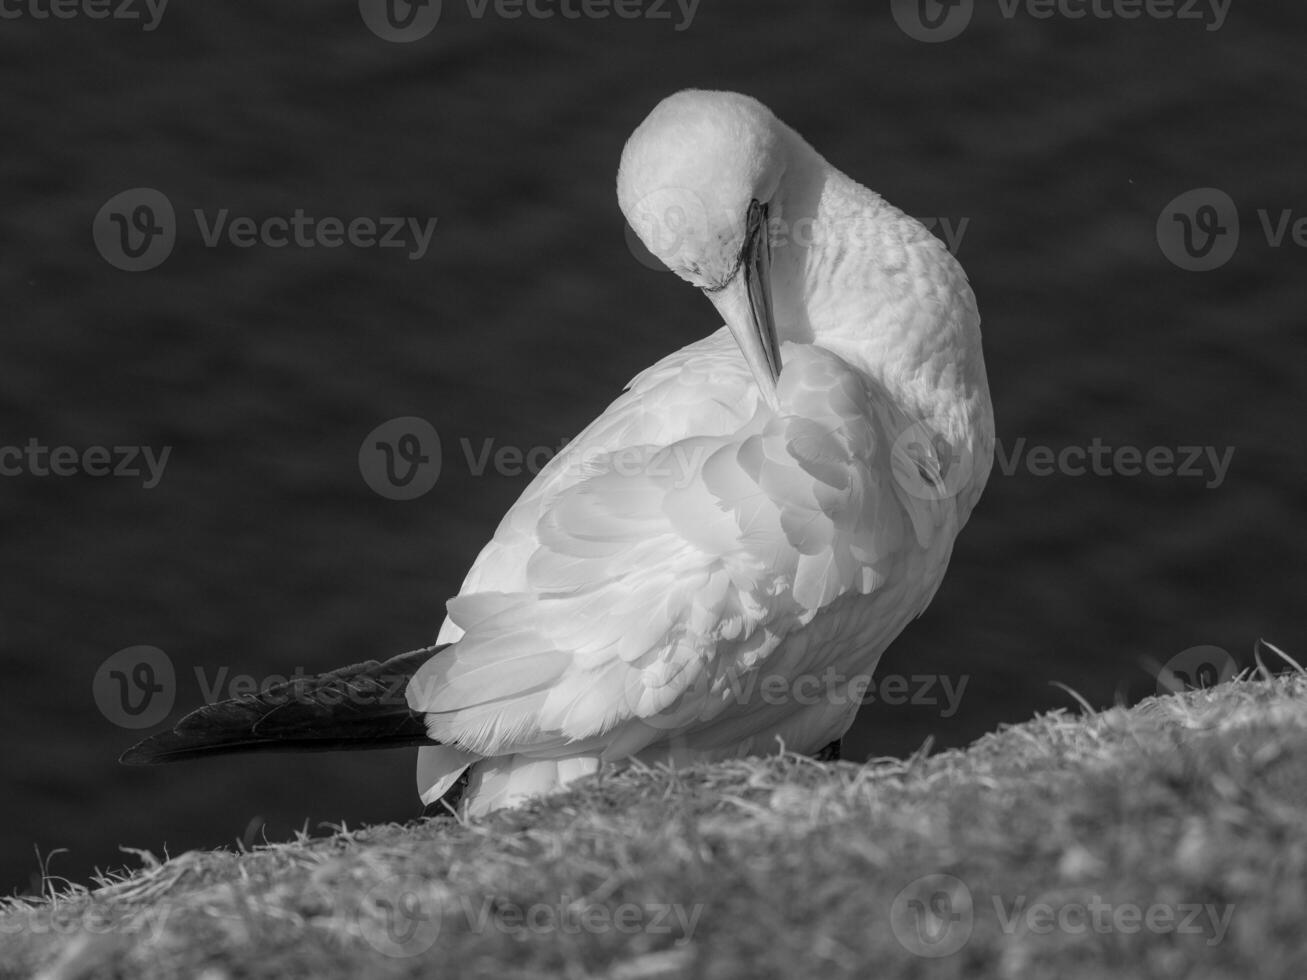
(622, 603)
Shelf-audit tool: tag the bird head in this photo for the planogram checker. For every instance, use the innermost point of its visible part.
(698, 183)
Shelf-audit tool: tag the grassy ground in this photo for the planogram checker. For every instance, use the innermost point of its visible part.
(1167, 839)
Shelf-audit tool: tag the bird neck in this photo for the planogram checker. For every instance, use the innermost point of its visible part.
(854, 274)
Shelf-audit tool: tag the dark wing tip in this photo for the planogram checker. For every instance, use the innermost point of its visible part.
(357, 707)
(164, 747)
(137, 755)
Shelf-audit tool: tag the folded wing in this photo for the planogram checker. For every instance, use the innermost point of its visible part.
(644, 584)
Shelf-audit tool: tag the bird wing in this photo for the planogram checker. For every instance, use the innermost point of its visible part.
(703, 389)
(633, 583)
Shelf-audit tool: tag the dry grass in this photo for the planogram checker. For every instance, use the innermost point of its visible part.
(1167, 839)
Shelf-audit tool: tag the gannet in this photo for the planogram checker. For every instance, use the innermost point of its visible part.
(771, 504)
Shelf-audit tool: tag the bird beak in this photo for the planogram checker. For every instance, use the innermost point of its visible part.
(745, 304)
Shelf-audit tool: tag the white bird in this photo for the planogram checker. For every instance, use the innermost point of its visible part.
(717, 562)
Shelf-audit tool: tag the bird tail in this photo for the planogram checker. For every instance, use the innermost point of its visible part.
(357, 707)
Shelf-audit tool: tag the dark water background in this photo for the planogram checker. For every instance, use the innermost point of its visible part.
(262, 551)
